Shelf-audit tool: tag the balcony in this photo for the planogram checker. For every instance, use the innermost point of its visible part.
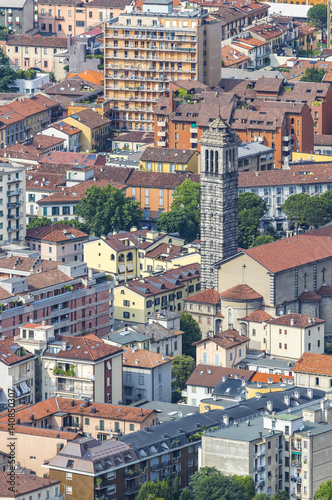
(193, 129)
(287, 148)
(161, 123)
(67, 389)
(286, 138)
(297, 464)
(161, 143)
(193, 140)
(15, 192)
(15, 216)
(132, 490)
(161, 133)
(157, 467)
(15, 204)
(14, 180)
(132, 473)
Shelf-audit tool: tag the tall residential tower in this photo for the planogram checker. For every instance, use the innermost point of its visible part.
(145, 50)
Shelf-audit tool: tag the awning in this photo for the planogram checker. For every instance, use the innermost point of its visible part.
(122, 268)
(130, 266)
(17, 392)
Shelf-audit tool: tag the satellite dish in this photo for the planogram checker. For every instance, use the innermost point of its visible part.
(180, 414)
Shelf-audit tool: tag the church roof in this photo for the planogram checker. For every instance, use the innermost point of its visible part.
(295, 251)
(209, 296)
(325, 290)
(220, 132)
(240, 292)
(257, 316)
(309, 296)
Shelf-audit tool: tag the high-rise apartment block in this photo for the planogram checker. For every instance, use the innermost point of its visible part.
(12, 203)
(146, 50)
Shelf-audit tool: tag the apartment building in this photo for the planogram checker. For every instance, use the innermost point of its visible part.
(17, 372)
(57, 242)
(74, 17)
(205, 308)
(146, 50)
(12, 203)
(285, 451)
(17, 16)
(287, 336)
(95, 129)
(276, 186)
(224, 349)
(28, 51)
(69, 297)
(313, 370)
(146, 375)
(137, 299)
(148, 455)
(124, 254)
(170, 160)
(69, 133)
(93, 418)
(161, 335)
(82, 367)
(258, 51)
(32, 486)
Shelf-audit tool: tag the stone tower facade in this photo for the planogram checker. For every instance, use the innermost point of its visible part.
(219, 192)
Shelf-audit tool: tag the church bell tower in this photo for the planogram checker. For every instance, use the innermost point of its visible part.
(219, 192)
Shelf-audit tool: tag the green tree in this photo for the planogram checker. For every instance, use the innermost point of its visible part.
(176, 494)
(210, 484)
(39, 222)
(281, 495)
(182, 368)
(251, 208)
(160, 489)
(7, 74)
(324, 492)
(191, 334)
(248, 483)
(296, 209)
(262, 239)
(186, 495)
(317, 16)
(184, 215)
(75, 223)
(262, 496)
(107, 209)
(313, 74)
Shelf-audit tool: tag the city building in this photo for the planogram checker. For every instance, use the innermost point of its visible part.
(128, 255)
(257, 51)
(255, 156)
(161, 334)
(205, 378)
(95, 129)
(146, 375)
(133, 141)
(17, 372)
(57, 242)
(147, 455)
(69, 133)
(231, 57)
(91, 418)
(31, 485)
(313, 370)
(70, 297)
(170, 160)
(82, 367)
(31, 51)
(17, 17)
(205, 308)
(12, 203)
(280, 452)
(45, 144)
(287, 336)
(171, 45)
(137, 299)
(225, 349)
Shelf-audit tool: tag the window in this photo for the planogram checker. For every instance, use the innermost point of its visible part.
(80, 24)
(126, 303)
(131, 427)
(116, 427)
(309, 346)
(141, 380)
(87, 421)
(231, 356)
(316, 380)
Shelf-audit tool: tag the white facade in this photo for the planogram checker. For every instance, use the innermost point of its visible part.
(154, 384)
(196, 393)
(12, 203)
(31, 86)
(72, 141)
(18, 382)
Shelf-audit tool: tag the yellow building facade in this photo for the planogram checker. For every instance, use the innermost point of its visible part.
(144, 51)
(170, 166)
(95, 129)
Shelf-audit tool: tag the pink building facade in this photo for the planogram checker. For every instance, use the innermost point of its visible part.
(71, 298)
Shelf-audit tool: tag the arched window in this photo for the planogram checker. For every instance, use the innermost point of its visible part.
(121, 257)
(170, 240)
(216, 160)
(112, 256)
(206, 161)
(211, 161)
(226, 162)
(129, 257)
(230, 316)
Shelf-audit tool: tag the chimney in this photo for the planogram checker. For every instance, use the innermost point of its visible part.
(287, 400)
(292, 322)
(225, 419)
(322, 409)
(269, 405)
(90, 273)
(310, 393)
(297, 394)
(64, 345)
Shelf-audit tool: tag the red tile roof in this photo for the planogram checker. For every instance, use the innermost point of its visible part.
(41, 141)
(258, 316)
(318, 364)
(295, 251)
(309, 296)
(8, 349)
(73, 193)
(89, 347)
(23, 484)
(144, 359)
(38, 431)
(325, 290)
(210, 296)
(55, 233)
(226, 340)
(37, 41)
(296, 320)
(46, 408)
(210, 376)
(264, 377)
(66, 157)
(240, 292)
